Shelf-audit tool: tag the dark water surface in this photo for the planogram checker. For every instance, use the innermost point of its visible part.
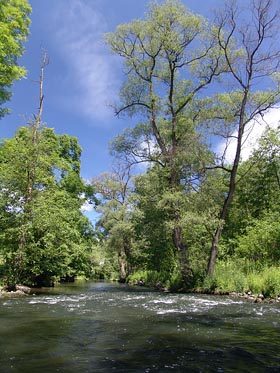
(106, 327)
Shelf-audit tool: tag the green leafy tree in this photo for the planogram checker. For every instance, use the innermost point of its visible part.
(153, 222)
(170, 58)
(43, 231)
(252, 226)
(115, 220)
(14, 28)
(260, 243)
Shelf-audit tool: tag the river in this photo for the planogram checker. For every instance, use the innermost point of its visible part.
(108, 327)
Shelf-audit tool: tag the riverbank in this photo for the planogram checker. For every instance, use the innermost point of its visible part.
(23, 291)
(260, 298)
(254, 284)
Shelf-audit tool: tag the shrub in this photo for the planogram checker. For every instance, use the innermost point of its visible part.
(271, 282)
(228, 276)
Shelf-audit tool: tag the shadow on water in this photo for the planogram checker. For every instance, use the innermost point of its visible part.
(107, 327)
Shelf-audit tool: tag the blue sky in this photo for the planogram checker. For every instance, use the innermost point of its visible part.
(83, 77)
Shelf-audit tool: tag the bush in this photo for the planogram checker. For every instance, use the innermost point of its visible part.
(175, 283)
(271, 282)
(255, 282)
(149, 278)
(261, 243)
(164, 280)
(228, 276)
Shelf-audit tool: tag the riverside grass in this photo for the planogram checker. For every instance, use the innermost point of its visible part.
(240, 278)
(228, 277)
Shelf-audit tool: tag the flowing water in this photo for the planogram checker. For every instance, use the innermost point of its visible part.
(107, 327)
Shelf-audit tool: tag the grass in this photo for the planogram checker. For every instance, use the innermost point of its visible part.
(235, 277)
(230, 276)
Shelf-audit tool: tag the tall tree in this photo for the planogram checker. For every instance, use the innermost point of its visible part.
(14, 28)
(250, 46)
(170, 59)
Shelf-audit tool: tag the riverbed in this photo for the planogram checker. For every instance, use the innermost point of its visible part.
(108, 327)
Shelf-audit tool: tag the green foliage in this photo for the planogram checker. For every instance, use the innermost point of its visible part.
(252, 226)
(255, 282)
(14, 28)
(265, 281)
(170, 34)
(271, 283)
(115, 222)
(235, 276)
(228, 277)
(153, 224)
(261, 241)
(159, 280)
(149, 278)
(103, 262)
(43, 231)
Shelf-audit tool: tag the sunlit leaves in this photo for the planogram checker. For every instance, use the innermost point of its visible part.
(14, 28)
(44, 233)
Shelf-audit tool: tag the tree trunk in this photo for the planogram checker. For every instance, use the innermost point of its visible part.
(186, 271)
(231, 190)
(122, 267)
(214, 251)
(224, 211)
(127, 251)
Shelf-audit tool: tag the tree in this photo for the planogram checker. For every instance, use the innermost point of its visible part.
(14, 28)
(153, 221)
(252, 225)
(251, 51)
(43, 231)
(169, 61)
(115, 220)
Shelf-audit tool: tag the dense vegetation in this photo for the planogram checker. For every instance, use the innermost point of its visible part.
(14, 23)
(193, 218)
(191, 84)
(139, 230)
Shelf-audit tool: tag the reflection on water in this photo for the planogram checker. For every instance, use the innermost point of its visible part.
(105, 327)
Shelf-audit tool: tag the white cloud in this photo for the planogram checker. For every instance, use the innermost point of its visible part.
(91, 71)
(253, 133)
(87, 207)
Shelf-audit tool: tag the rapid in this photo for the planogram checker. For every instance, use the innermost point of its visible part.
(108, 327)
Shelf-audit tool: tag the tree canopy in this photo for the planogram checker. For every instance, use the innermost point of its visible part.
(14, 28)
(43, 231)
